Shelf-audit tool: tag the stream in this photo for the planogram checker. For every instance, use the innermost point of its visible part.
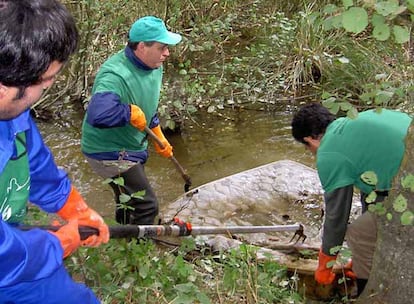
(209, 148)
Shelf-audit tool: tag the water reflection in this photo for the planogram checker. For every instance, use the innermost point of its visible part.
(209, 149)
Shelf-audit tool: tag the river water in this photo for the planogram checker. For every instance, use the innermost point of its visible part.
(209, 148)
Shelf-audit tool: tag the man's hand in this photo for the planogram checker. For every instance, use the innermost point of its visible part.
(166, 150)
(138, 119)
(347, 269)
(69, 237)
(324, 274)
(76, 208)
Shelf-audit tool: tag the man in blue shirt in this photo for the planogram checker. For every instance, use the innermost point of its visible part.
(36, 39)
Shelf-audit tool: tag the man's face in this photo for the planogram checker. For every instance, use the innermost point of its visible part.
(12, 105)
(153, 56)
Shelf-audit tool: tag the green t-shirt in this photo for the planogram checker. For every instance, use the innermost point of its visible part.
(374, 141)
(134, 86)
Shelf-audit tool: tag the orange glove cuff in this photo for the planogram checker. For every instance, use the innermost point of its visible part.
(323, 274)
(74, 206)
(138, 119)
(166, 150)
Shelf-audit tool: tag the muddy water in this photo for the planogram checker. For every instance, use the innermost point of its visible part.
(210, 148)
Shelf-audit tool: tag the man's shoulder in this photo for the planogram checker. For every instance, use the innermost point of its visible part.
(115, 67)
(114, 61)
(382, 112)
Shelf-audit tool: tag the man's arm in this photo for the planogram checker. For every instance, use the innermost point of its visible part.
(27, 255)
(337, 209)
(49, 185)
(52, 190)
(105, 110)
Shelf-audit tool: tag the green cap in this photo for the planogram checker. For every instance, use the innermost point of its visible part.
(151, 28)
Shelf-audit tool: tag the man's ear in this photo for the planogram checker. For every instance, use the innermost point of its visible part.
(3, 90)
(312, 143)
(308, 139)
(140, 45)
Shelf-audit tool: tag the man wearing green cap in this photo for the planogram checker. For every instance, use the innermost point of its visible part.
(125, 98)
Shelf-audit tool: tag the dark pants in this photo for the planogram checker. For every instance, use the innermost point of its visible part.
(362, 239)
(136, 211)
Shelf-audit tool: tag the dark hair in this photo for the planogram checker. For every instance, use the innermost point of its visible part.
(311, 120)
(134, 45)
(33, 34)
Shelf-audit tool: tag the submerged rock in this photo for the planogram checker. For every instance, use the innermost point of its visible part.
(271, 194)
(281, 192)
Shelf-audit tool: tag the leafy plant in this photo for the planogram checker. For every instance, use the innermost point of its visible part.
(400, 204)
(139, 271)
(371, 77)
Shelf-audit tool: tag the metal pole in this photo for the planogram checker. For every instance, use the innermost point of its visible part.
(244, 229)
(142, 231)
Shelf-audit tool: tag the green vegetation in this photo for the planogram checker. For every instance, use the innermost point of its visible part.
(257, 55)
(142, 272)
(130, 271)
(400, 205)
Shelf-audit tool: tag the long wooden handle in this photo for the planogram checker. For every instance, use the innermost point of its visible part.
(180, 168)
(154, 137)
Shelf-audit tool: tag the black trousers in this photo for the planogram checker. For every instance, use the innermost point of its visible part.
(136, 211)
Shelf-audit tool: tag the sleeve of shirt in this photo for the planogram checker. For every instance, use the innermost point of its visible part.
(27, 256)
(49, 185)
(155, 121)
(105, 110)
(337, 209)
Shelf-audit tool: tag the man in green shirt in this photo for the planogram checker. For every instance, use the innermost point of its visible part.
(346, 148)
(124, 101)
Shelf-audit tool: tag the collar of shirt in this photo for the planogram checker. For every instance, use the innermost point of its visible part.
(129, 53)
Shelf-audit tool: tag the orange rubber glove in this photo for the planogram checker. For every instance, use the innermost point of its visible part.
(348, 271)
(166, 151)
(76, 208)
(137, 119)
(324, 274)
(69, 237)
